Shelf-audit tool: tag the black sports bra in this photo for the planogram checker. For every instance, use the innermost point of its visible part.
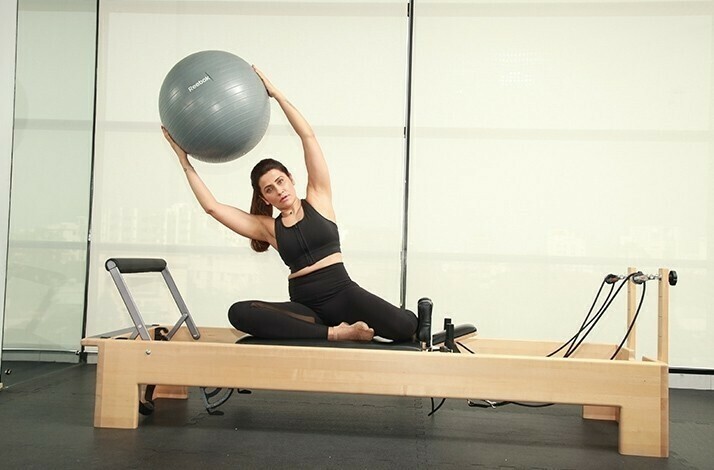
(308, 241)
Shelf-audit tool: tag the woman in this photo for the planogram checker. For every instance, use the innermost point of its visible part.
(325, 302)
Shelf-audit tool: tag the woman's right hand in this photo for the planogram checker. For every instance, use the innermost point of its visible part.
(176, 147)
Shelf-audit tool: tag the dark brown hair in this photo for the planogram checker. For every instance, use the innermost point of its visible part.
(258, 206)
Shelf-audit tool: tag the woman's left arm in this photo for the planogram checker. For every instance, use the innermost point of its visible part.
(319, 190)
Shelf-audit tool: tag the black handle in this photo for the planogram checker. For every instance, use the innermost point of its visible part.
(673, 278)
(424, 308)
(136, 265)
(449, 342)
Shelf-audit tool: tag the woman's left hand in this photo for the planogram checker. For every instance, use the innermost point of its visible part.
(270, 88)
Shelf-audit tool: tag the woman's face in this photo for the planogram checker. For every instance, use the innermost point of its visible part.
(277, 189)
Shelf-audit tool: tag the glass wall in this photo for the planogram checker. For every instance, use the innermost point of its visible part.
(552, 143)
(51, 175)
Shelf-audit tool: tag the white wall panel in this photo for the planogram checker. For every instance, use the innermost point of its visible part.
(555, 142)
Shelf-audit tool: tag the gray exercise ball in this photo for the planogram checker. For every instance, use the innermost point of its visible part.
(214, 106)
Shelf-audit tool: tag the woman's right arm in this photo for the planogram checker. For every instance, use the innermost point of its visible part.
(248, 225)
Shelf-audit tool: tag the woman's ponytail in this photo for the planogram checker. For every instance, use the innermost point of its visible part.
(259, 207)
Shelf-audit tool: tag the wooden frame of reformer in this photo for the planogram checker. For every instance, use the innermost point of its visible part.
(635, 393)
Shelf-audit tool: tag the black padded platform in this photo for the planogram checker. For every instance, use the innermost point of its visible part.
(438, 338)
(323, 343)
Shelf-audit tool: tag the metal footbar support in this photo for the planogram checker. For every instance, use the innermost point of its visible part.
(117, 267)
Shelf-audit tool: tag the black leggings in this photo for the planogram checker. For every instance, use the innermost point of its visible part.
(324, 298)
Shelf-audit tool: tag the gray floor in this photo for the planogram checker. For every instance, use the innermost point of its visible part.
(46, 420)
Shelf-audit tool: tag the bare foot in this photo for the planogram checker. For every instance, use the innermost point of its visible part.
(358, 331)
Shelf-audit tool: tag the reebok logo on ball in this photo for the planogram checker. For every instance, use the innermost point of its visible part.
(199, 83)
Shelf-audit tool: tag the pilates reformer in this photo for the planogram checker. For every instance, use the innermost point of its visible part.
(215, 397)
(167, 360)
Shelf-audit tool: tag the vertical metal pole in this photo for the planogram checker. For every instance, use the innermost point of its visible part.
(407, 152)
(9, 13)
(90, 206)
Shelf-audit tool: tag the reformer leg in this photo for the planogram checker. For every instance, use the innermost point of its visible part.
(117, 395)
(644, 428)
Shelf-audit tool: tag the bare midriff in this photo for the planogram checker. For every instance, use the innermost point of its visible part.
(334, 258)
